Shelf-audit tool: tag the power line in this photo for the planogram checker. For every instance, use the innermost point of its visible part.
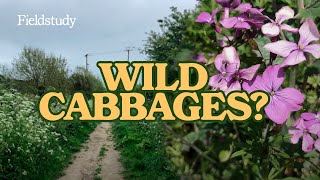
(102, 53)
(128, 50)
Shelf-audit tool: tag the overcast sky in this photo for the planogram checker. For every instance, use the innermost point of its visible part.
(101, 26)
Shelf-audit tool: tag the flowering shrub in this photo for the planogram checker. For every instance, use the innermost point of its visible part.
(31, 148)
(230, 78)
(25, 139)
(256, 149)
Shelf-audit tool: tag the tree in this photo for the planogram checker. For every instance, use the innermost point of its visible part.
(83, 80)
(41, 70)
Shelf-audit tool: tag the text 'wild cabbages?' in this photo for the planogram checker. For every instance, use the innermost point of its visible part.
(125, 100)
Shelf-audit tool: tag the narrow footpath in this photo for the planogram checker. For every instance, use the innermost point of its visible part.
(97, 159)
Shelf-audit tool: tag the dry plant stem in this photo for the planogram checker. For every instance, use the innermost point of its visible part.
(313, 164)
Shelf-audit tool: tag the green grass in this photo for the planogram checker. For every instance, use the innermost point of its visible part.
(142, 151)
(103, 151)
(77, 133)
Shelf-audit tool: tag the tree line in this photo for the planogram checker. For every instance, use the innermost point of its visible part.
(36, 71)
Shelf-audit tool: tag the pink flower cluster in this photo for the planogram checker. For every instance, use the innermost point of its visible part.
(305, 126)
(230, 77)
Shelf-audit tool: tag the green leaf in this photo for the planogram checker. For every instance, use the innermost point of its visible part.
(238, 153)
(271, 173)
(314, 81)
(224, 155)
(194, 136)
(274, 162)
(289, 178)
(309, 13)
(274, 173)
(312, 178)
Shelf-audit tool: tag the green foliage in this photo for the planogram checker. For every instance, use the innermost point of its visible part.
(35, 68)
(312, 10)
(142, 150)
(31, 148)
(85, 81)
(233, 150)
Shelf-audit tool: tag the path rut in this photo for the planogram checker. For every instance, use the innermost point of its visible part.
(91, 163)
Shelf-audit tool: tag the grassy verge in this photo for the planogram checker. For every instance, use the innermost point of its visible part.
(142, 150)
(76, 133)
(30, 147)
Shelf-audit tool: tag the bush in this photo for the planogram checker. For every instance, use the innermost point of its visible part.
(83, 80)
(31, 148)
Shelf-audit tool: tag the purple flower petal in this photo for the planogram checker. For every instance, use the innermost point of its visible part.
(249, 73)
(317, 144)
(308, 33)
(235, 3)
(222, 85)
(231, 86)
(223, 3)
(297, 122)
(313, 49)
(270, 29)
(215, 79)
(232, 68)
(214, 12)
(242, 25)
(314, 129)
(201, 59)
(277, 111)
(244, 7)
(229, 22)
(297, 134)
(291, 97)
(295, 57)
(309, 119)
(230, 55)
(217, 28)
(308, 116)
(282, 48)
(204, 17)
(283, 14)
(288, 28)
(273, 77)
(256, 84)
(256, 15)
(219, 62)
(307, 143)
(301, 125)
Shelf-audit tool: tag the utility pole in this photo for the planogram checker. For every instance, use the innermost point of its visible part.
(86, 61)
(128, 54)
(128, 50)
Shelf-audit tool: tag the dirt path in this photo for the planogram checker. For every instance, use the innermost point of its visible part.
(97, 159)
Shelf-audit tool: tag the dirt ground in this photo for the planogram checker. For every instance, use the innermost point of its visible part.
(97, 159)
